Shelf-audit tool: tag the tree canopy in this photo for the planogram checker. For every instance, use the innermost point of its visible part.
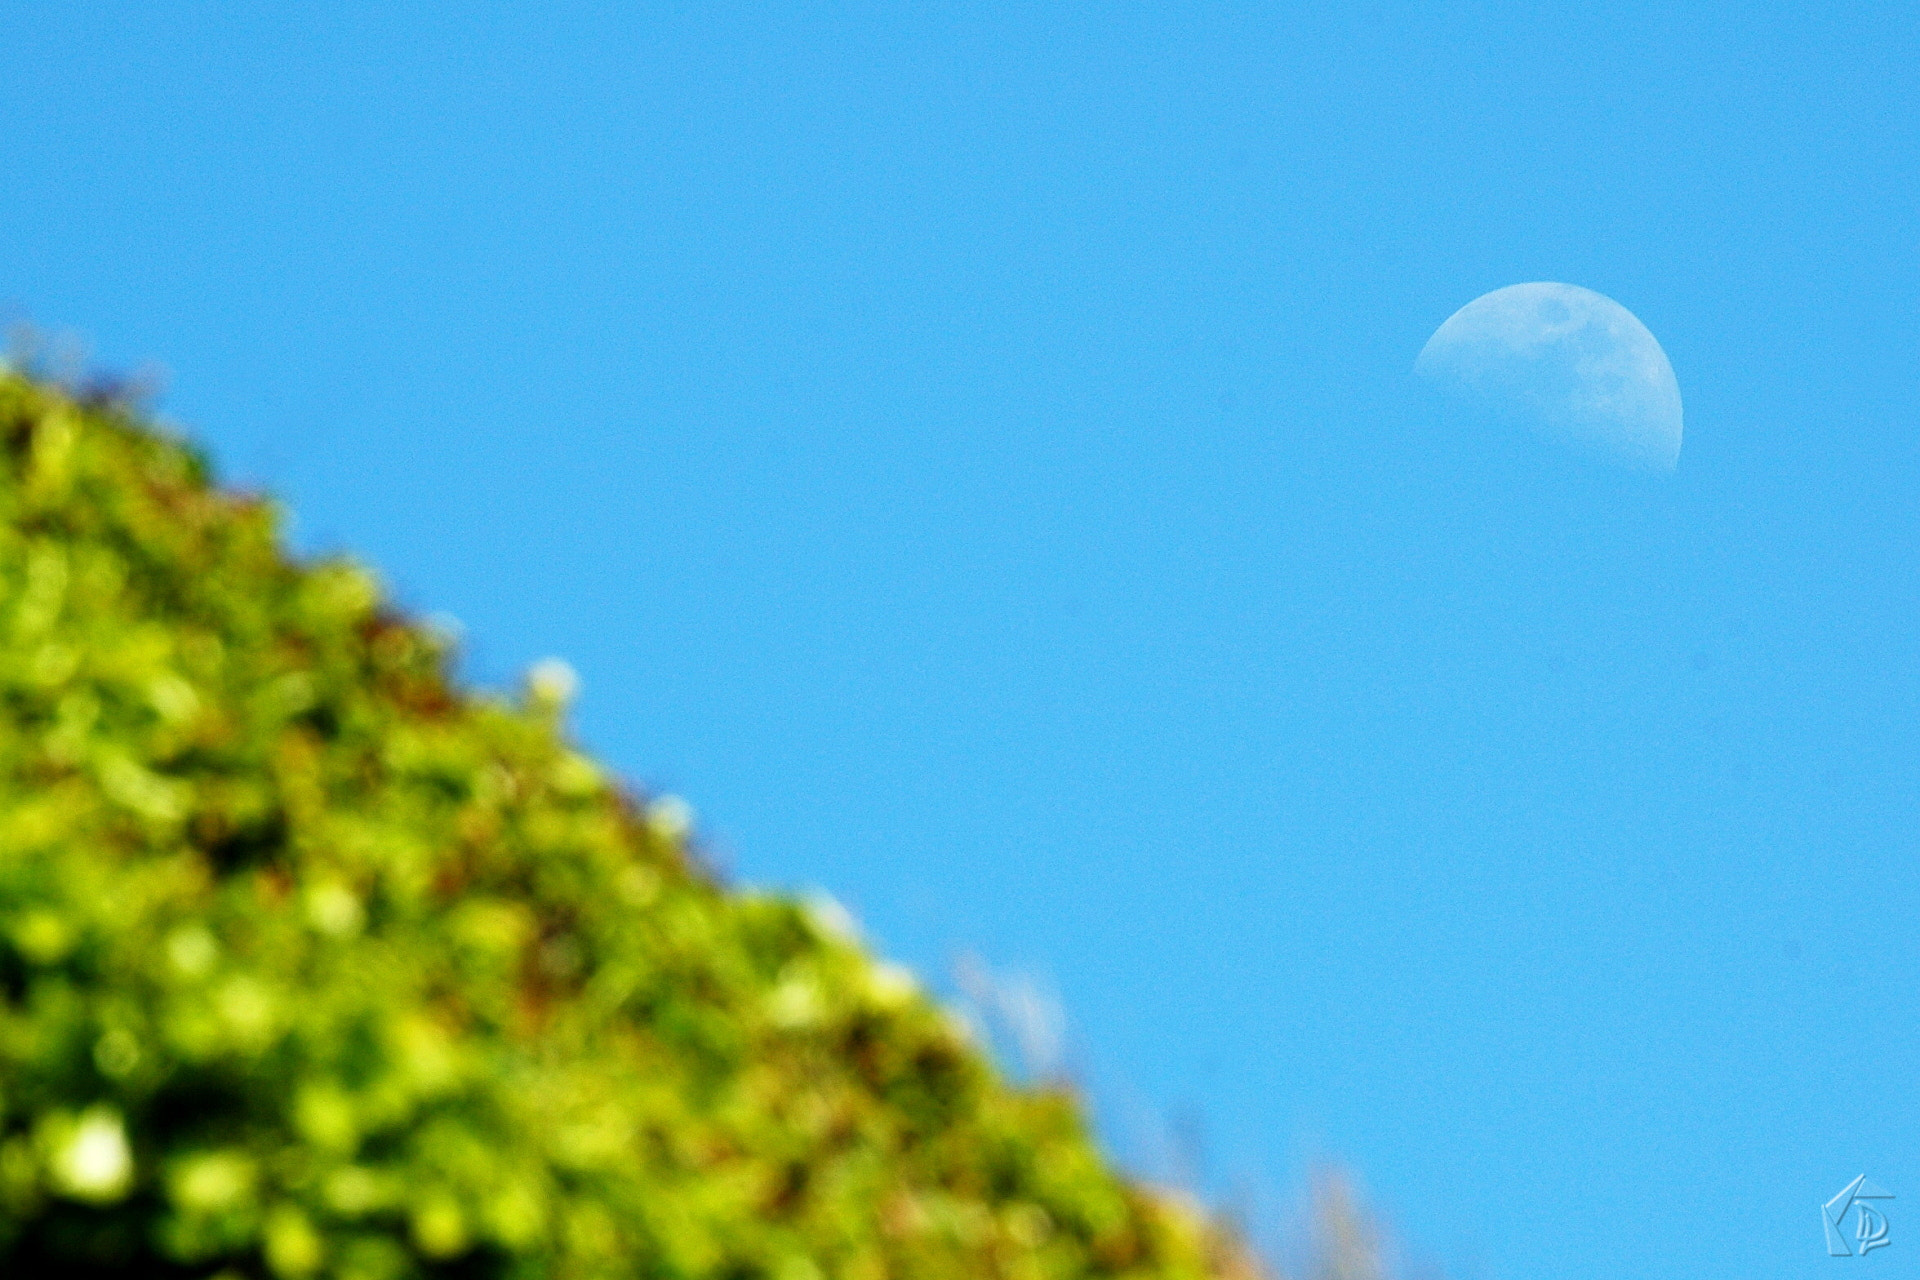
(313, 963)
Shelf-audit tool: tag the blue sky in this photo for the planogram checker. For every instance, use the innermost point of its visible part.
(971, 453)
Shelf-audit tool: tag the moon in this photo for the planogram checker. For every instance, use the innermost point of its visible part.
(1572, 363)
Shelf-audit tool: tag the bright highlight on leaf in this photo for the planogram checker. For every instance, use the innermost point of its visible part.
(91, 1160)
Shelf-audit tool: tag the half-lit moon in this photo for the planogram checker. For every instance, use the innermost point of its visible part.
(1570, 362)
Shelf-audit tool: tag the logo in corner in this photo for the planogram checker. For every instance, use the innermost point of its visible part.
(1869, 1225)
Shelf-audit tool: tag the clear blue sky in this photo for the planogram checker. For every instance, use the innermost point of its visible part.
(971, 453)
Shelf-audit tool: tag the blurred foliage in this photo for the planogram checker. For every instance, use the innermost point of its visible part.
(1345, 1242)
(313, 964)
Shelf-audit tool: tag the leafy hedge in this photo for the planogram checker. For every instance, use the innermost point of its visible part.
(312, 963)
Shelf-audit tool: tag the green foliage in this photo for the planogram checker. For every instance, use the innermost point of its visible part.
(312, 964)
